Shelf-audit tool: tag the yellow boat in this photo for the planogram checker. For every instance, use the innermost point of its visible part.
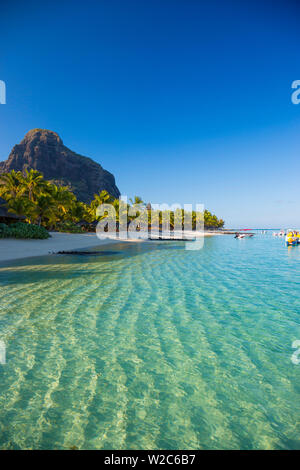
(292, 238)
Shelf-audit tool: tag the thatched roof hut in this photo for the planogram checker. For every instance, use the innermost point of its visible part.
(5, 216)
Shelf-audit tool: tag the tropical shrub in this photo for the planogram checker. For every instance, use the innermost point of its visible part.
(23, 230)
(3, 230)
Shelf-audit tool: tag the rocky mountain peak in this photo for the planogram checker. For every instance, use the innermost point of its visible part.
(43, 150)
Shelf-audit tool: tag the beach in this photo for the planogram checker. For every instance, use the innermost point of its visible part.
(12, 249)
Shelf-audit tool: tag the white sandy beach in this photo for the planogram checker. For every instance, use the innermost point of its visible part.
(11, 249)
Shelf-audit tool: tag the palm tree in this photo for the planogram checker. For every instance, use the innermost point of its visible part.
(11, 185)
(102, 198)
(20, 206)
(78, 211)
(137, 201)
(121, 212)
(138, 205)
(63, 198)
(44, 210)
(33, 184)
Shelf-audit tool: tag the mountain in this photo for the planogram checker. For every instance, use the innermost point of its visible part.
(43, 150)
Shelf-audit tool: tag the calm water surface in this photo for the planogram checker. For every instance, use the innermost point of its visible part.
(153, 347)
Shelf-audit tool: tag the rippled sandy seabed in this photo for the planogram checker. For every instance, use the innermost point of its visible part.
(152, 347)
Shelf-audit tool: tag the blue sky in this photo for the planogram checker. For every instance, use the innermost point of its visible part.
(183, 101)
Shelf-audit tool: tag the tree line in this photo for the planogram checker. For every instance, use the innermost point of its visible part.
(54, 207)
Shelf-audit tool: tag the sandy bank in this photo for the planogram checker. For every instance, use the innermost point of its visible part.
(11, 248)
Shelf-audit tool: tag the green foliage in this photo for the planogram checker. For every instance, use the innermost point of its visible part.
(23, 230)
(69, 227)
(3, 230)
(212, 221)
(55, 207)
(38, 200)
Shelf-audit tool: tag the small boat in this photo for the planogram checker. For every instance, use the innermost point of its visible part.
(240, 235)
(292, 238)
(243, 235)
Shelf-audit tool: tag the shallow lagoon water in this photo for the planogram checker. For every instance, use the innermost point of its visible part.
(152, 347)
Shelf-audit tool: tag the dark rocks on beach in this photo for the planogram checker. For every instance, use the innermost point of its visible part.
(43, 150)
(88, 253)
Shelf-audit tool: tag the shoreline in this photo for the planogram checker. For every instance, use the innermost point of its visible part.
(13, 249)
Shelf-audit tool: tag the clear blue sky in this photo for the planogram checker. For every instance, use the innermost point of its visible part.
(183, 101)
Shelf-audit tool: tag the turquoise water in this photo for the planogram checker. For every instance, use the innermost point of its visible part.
(153, 347)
